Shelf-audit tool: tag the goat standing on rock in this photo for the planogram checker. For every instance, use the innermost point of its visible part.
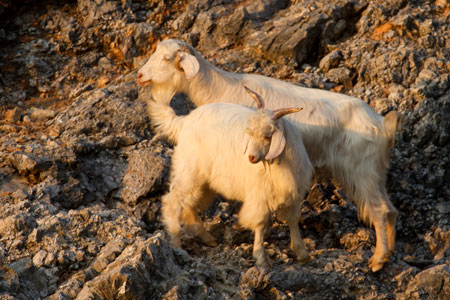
(208, 158)
(342, 134)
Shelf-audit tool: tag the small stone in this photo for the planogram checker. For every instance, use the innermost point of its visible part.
(39, 257)
(103, 81)
(184, 21)
(20, 195)
(49, 259)
(13, 115)
(339, 75)
(330, 61)
(54, 131)
(329, 267)
(38, 114)
(104, 62)
(35, 236)
(24, 163)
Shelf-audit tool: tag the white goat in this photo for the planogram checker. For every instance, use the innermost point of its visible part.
(208, 158)
(342, 135)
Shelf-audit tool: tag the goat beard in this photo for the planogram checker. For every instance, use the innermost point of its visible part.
(266, 164)
(162, 94)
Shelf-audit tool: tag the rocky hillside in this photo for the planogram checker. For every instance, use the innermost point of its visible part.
(81, 175)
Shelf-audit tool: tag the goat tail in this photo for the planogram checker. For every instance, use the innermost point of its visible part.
(392, 124)
(164, 119)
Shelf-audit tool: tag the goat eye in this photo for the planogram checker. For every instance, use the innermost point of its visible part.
(267, 138)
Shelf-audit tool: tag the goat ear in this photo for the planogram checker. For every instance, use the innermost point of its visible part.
(277, 144)
(246, 141)
(189, 64)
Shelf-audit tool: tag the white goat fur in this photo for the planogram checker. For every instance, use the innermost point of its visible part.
(208, 158)
(342, 134)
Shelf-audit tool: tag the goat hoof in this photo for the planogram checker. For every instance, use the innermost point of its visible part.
(304, 258)
(376, 264)
(210, 242)
(266, 263)
(263, 261)
(208, 239)
(175, 242)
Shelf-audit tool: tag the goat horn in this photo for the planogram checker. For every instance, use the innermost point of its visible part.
(178, 57)
(177, 61)
(186, 48)
(259, 101)
(284, 111)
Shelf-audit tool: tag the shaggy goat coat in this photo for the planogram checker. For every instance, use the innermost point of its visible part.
(342, 135)
(208, 158)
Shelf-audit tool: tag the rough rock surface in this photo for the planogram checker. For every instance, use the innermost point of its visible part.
(82, 175)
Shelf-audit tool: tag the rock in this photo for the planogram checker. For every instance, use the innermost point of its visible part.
(145, 174)
(293, 279)
(79, 210)
(27, 165)
(295, 41)
(37, 67)
(94, 11)
(256, 278)
(142, 33)
(330, 61)
(432, 283)
(340, 75)
(265, 9)
(41, 115)
(13, 115)
(184, 21)
(38, 258)
(35, 236)
(138, 265)
(203, 25)
(103, 81)
(104, 62)
(294, 33)
(228, 28)
(128, 48)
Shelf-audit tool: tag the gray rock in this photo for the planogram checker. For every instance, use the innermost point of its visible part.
(142, 33)
(141, 264)
(145, 174)
(28, 165)
(184, 21)
(339, 75)
(432, 283)
(330, 61)
(228, 28)
(64, 224)
(41, 115)
(294, 41)
(9, 279)
(264, 9)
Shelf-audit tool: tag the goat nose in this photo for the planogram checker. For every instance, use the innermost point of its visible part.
(140, 75)
(251, 158)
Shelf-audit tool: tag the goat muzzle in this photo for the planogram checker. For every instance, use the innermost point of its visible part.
(253, 159)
